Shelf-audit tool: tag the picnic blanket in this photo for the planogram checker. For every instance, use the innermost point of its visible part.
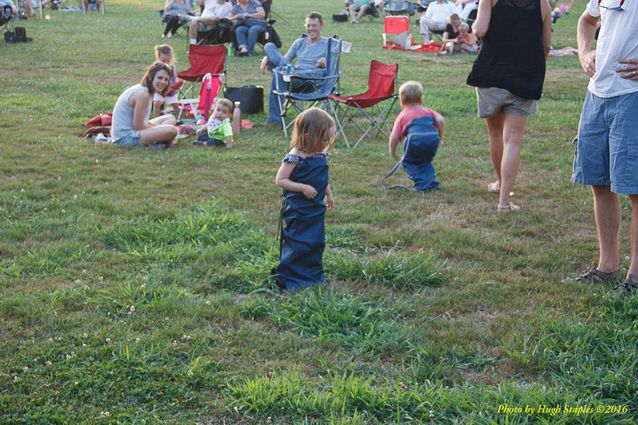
(432, 47)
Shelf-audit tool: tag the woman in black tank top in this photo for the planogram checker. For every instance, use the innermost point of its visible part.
(508, 75)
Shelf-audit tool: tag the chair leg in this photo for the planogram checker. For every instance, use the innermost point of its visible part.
(331, 110)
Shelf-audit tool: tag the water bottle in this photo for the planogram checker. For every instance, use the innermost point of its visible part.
(237, 118)
(287, 72)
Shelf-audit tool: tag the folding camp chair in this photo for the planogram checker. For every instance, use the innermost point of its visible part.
(399, 7)
(295, 91)
(395, 25)
(203, 60)
(383, 84)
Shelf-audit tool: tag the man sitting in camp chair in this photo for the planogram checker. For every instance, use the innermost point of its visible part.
(212, 13)
(310, 52)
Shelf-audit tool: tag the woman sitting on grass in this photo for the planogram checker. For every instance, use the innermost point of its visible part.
(130, 124)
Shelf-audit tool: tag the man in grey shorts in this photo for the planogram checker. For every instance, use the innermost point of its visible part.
(607, 148)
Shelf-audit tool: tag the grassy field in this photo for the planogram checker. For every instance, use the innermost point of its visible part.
(134, 283)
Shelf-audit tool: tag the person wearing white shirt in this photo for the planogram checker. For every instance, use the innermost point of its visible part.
(607, 141)
(436, 17)
(214, 10)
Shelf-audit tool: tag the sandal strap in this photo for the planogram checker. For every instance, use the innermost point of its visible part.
(593, 275)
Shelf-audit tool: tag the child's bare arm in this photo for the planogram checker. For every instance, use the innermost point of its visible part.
(229, 142)
(439, 122)
(283, 181)
(392, 146)
(329, 200)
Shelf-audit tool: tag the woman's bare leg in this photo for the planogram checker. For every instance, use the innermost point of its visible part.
(513, 128)
(158, 134)
(495, 131)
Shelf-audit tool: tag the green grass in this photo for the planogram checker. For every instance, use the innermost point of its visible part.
(134, 284)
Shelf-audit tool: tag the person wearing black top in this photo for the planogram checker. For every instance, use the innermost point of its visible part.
(508, 75)
(451, 34)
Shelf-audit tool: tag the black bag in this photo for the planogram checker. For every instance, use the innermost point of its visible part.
(340, 17)
(251, 98)
(21, 35)
(10, 37)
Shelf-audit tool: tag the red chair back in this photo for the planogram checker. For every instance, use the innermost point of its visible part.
(381, 80)
(396, 24)
(204, 60)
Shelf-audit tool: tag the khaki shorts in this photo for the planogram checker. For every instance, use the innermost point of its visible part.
(493, 100)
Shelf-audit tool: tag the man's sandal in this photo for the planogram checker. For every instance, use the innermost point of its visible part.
(508, 208)
(593, 275)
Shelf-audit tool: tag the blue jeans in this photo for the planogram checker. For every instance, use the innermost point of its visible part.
(275, 58)
(607, 144)
(247, 36)
(129, 141)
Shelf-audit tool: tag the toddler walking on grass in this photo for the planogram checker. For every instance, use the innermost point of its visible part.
(303, 178)
(421, 131)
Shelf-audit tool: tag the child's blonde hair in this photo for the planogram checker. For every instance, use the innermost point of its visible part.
(164, 49)
(312, 131)
(411, 92)
(465, 27)
(226, 104)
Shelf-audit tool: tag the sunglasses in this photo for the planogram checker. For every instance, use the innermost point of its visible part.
(609, 4)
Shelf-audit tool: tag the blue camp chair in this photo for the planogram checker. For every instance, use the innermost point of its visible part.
(303, 91)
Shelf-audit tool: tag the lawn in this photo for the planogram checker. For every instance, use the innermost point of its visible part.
(134, 283)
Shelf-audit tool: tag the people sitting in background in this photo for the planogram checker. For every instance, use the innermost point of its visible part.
(213, 12)
(175, 11)
(358, 8)
(310, 52)
(248, 24)
(87, 5)
(130, 126)
(467, 41)
(7, 7)
(465, 7)
(451, 34)
(435, 18)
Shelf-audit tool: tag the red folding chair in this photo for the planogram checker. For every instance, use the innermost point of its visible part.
(395, 25)
(383, 85)
(203, 60)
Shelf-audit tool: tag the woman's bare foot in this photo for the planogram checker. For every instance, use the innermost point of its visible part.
(494, 187)
(508, 208)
